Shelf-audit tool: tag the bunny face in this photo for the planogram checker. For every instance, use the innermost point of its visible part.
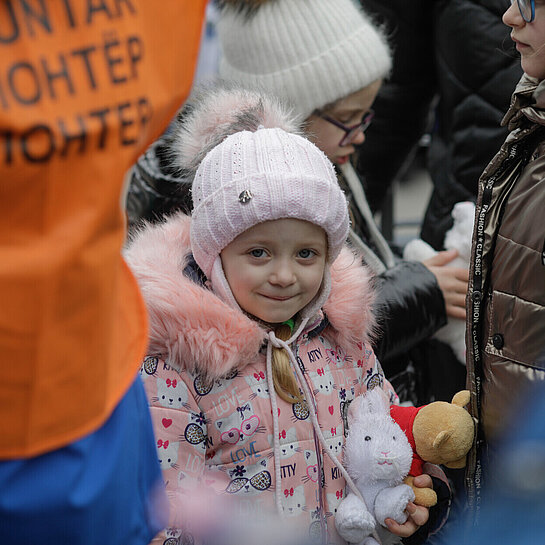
(376, 447)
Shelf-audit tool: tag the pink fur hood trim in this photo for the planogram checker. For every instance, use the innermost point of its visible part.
(191, 328)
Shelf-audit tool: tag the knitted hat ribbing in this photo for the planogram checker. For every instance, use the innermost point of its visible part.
(253, 177)
(310, 52)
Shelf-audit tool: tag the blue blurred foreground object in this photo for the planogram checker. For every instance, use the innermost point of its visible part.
(513, 511)
(103, 489)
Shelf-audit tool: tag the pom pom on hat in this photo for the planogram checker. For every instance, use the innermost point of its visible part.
(309, 52)
(214, 113)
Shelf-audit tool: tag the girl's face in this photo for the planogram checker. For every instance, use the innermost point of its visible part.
(529, 38)
(348, 111)
(275, 268)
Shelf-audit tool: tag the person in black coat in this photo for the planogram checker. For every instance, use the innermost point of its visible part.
(453, 61)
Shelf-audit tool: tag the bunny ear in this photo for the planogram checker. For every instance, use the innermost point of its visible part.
(354, 407)
(373, 401)
(378, 401)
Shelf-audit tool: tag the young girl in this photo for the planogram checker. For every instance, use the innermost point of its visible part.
(327, 60)
(260, 321)
(506, 326)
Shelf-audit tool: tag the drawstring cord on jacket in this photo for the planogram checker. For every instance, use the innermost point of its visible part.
(279, 343)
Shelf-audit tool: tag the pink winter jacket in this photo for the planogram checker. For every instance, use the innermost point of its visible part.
(205, 377)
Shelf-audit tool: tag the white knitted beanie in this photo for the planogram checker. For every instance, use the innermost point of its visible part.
(253, 177)
(310, 52)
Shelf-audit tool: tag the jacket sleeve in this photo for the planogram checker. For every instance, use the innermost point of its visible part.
(402, 107)
(409, 307)
(177, 432)
(155, 191)
(439, 512)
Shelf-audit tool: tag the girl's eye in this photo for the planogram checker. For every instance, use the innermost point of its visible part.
(307, 253)
(258, 252)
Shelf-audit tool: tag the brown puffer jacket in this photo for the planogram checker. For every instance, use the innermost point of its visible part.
(506, 298)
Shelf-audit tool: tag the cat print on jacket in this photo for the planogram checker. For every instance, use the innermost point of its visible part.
(257, 381)
(172, 392)
(288, 443)
(322, 379)
(167, 453)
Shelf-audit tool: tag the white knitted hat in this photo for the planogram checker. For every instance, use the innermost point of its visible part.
(310, 52)
(253, 177)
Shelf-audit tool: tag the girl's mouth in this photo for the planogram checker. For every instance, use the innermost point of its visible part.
(278, 297)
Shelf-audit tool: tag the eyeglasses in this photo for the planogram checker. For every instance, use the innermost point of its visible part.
(351, 132)
(527, 9)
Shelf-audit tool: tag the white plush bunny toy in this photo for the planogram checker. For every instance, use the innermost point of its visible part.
(458, 237)
(377, 457)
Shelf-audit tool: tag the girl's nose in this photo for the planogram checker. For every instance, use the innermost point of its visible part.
(282, 275)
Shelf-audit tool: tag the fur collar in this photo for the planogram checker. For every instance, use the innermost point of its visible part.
(191, 328)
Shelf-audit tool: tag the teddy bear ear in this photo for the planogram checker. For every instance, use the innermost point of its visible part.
(461, 398)
(441, 438)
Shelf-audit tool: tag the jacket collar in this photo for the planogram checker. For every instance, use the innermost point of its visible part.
(191, 328)
(527, 102)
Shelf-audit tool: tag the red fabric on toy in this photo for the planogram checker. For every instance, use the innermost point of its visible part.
(404, 416)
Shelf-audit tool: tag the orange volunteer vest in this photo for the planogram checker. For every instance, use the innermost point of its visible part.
(85, 85)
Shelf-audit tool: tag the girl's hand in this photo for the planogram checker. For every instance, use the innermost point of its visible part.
(418, 515)
(452, 282)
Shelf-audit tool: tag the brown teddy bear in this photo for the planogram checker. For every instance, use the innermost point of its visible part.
(440, 433)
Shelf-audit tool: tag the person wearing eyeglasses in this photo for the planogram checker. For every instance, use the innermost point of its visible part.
(506, 297)
(353, 133)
